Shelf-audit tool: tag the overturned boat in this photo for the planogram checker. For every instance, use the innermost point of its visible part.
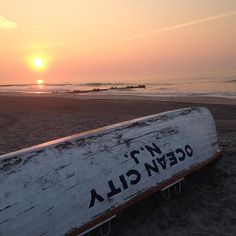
(71, 185)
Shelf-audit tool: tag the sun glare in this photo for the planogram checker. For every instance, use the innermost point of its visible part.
(40, 82)
(38, 62)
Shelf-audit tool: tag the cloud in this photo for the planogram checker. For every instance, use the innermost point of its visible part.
(7, 24)
(173, 27)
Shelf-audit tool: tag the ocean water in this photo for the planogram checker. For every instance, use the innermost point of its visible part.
(217, 86)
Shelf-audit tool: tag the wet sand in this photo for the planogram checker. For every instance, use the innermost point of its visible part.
(207, 204)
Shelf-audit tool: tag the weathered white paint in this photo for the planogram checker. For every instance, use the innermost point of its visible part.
(46, 189)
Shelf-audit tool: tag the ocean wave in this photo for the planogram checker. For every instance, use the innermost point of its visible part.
(97, 84)
(25, 85)
(163, 84)
(230, 81)
(58, 84)
(15, 85)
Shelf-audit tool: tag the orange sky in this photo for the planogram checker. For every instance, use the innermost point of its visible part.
(81, 39)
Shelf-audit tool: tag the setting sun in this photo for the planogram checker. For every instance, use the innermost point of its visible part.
(38, 62)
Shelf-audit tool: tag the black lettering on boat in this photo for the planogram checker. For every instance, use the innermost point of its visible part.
(151, 168)
(133, 155)
(113, 189)
(172, 158)
(189, 150)
(136, 174)
(94, 196)
(123, 181)
(154, 149)
(162, 162)
(181, 157)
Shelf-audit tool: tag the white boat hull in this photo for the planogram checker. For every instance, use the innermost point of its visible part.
(69, 185)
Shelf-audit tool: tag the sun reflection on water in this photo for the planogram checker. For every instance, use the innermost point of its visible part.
(40, 86)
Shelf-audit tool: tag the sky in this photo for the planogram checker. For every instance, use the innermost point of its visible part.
(83, 40)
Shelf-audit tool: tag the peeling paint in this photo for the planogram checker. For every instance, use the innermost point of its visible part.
(62, 146)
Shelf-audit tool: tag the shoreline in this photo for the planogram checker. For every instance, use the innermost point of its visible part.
(171, 98)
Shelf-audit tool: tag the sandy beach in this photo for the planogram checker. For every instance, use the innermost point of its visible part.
(207, 204)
